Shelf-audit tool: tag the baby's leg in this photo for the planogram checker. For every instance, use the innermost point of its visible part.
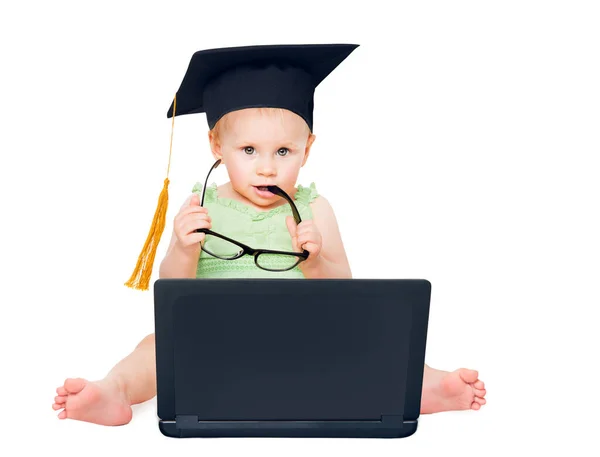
(108, 401)
(451, 391)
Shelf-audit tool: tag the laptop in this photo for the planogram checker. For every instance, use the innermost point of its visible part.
(290, 357)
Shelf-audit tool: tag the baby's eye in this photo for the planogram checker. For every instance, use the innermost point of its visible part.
(248, 150)
(285, 151)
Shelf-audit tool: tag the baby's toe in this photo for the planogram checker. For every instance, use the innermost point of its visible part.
(60, 399)
(61, 390)
(62, 414)
(74, 385)
(475, 406)
(56, 406)
(479, 393)
(479, 400)
(479, 385)
(468, 376)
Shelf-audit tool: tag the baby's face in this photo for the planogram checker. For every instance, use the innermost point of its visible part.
(262, 149)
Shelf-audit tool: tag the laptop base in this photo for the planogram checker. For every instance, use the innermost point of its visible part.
(191, 427)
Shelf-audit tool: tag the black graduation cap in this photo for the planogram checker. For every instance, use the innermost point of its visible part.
(219, 81)
(222, 80)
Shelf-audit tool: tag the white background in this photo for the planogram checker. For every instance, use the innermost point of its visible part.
(458, 143)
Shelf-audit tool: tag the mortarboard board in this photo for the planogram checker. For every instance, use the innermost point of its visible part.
(222, 80)
(218, 81)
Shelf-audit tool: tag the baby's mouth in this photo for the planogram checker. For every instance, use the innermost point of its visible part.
(264, 191)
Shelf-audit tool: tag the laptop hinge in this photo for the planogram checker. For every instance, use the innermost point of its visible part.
(184, 422)
(191, 422)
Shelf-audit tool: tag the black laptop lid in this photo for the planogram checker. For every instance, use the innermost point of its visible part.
(235, 349)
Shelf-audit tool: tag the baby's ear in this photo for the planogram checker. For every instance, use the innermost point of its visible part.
(215, 145)
(309, 143)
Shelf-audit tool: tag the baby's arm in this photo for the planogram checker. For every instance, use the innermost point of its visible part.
(332, 261)
(178, 263)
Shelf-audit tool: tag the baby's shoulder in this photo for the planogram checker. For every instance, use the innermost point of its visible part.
(320, 207)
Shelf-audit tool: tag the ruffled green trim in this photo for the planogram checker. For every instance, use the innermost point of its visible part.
(304, 196)
(211, 192)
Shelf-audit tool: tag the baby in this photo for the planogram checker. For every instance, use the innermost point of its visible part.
(258, 102)
(258, 146)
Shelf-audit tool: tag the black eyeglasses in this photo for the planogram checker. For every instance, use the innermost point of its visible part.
(226, 248)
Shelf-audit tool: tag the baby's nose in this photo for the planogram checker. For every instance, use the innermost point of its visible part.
(266, 168)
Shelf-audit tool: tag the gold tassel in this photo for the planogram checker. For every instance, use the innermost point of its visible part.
(140, 278)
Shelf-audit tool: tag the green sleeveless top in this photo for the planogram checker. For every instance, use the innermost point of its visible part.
(257, 229)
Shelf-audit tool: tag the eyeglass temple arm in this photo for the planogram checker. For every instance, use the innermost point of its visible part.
(278, 191)
(215, 165)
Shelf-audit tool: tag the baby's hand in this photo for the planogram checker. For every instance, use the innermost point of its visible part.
(305, 235)
(191, 216)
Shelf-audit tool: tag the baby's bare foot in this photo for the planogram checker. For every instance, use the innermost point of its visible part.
(458, 390)
(102, 402)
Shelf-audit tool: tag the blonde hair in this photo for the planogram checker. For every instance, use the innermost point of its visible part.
(222, 123)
